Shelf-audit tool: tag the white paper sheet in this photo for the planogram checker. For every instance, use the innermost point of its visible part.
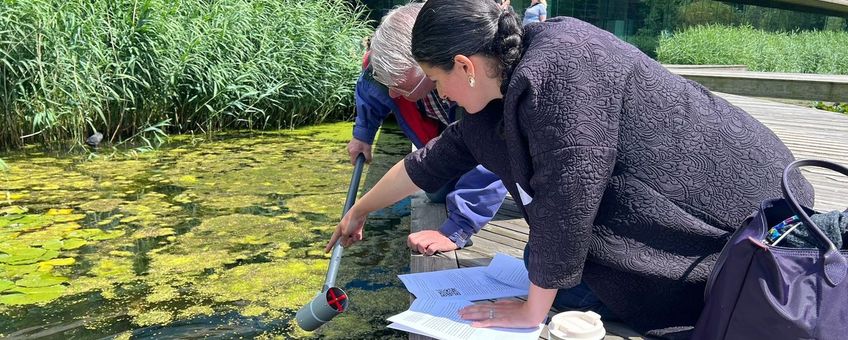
(508, 270)
(440, 319)
(402, 328)
(504, 277)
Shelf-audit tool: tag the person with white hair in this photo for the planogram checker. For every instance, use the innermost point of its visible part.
(393, 82)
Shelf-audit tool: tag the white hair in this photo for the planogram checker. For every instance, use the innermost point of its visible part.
(391, 46)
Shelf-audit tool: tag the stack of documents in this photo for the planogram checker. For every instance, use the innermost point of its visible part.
(440, 295)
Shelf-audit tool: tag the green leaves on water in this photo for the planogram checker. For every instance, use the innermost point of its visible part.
(30, 245)
(6, 284)
(35, 287)
(27, 296)
(95, 234)
(40, 279)
(15, 254)
(13, 210)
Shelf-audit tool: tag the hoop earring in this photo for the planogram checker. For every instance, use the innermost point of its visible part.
(471, 81)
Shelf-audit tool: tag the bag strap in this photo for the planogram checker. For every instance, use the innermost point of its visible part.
(835, 265)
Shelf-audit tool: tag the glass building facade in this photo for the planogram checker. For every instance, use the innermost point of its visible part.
(641, 22)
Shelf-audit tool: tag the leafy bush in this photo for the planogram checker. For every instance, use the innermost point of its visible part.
(821, 52)
(138, 69)
(647, 43)
(834, 107)
(703, 12)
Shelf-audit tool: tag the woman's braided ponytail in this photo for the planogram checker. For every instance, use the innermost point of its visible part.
(507, 46)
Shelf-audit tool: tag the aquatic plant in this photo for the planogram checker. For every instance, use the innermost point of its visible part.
(136, 70)
(820, 52)
(229, 229)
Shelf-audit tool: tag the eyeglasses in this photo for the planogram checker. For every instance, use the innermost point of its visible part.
(410, 92)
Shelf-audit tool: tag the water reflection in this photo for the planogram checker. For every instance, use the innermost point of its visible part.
(211, 239)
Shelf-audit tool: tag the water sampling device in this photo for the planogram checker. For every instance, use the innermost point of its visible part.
(332, 300)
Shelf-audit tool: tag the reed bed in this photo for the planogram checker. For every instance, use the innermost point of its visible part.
(137, 70)
(822, 52)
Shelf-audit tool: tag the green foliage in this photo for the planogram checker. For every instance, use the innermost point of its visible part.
(835, 107)
(136, 70)
(645, 42)
(662, 15)
(820, 52)
(780, 20)
(705, 12)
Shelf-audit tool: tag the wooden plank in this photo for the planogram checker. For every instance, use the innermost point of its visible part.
(810, 134)
(490, 235)
(490, 248)
(517, 225)
(428, 216)
(520, 236)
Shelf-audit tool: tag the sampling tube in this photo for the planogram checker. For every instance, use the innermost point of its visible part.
(331, 301)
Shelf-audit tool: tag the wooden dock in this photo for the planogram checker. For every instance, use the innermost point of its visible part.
(809, 133)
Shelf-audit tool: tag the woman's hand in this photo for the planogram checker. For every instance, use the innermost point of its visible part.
(502, 313)
(349, 230)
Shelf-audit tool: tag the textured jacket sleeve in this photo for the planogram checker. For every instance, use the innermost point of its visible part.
(477, 197)
(444, 158)
(570, 122)
(373, 104)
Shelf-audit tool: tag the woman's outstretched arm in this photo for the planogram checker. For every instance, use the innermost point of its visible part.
(394, 186)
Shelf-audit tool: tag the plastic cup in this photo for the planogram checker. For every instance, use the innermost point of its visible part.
(575, 325)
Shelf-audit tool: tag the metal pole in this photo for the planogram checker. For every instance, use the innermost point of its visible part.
(336, 257)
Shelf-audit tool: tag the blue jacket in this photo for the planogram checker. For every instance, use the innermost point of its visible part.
(477, 195)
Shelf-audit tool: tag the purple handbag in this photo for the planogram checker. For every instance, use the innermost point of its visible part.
(758, 291)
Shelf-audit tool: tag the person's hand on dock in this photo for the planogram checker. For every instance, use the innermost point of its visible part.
(429, 242)
(348, 231)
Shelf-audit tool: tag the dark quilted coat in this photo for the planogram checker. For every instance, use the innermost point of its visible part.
(631, 178)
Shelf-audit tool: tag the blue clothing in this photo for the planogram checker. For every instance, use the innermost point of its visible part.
(478, 194)
(534, 13)
(474, 201)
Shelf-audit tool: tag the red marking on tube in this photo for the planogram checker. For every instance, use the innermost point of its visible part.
(336, 301)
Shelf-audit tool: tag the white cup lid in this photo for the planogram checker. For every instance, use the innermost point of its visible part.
(576, 325)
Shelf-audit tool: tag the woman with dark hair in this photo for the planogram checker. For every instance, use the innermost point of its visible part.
(631, 178)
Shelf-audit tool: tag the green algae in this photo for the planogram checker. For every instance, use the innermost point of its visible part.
(195, 311)
(151, 317)
(203, 229)
(162, 293)
(101, 205)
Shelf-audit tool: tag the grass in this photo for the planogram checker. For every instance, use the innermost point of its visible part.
(138, 70)
(820, 52)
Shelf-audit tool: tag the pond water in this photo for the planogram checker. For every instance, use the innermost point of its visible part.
(204, 238)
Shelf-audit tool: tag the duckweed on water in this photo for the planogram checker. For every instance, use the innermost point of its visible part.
(195, 232)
